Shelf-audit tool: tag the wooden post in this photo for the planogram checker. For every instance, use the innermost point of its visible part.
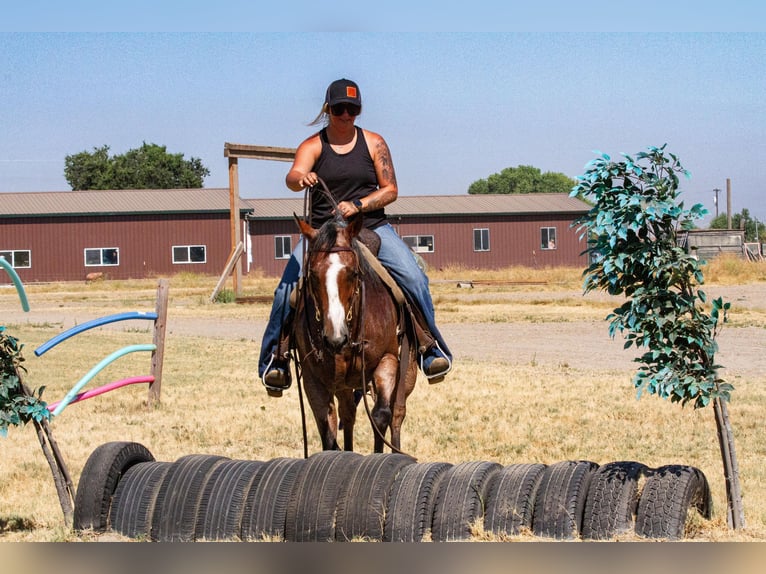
(728, 203)
(158, 354)
(234, 232)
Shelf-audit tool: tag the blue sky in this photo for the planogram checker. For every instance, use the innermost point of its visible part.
(454, 106)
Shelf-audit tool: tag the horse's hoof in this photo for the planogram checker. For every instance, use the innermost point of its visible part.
(276, 393)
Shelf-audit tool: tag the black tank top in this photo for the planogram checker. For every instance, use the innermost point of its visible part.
(348, 176)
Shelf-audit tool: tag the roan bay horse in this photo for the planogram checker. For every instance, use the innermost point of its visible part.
(348, 332)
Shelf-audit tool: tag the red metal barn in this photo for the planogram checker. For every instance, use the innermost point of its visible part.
(124, 234)
(468, 231)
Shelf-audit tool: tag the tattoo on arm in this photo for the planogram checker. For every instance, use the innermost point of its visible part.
(386, 165)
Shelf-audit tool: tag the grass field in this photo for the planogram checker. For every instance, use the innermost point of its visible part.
(503, 409)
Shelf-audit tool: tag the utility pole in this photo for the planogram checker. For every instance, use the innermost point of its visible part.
(716, 191)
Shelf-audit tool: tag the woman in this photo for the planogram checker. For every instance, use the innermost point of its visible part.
(356, 166)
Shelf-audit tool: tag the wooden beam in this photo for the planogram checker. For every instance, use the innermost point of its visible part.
(234, 150)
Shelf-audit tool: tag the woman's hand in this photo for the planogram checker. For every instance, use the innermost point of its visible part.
(308, 180)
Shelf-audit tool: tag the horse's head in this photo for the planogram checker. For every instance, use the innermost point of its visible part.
(332, 276)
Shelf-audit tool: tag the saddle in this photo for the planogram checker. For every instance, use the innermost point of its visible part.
(369, 244)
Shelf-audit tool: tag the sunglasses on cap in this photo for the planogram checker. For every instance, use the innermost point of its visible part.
(352, 109)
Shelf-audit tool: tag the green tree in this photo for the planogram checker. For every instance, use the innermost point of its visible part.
(754, 229)
(522, 179)
(147, 167)
(632, 233)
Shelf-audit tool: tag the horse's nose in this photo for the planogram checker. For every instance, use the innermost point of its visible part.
(336, 341)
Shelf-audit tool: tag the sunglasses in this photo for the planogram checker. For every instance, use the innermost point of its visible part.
(352, 109)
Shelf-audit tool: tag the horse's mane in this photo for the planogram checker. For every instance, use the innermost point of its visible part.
(327, 235)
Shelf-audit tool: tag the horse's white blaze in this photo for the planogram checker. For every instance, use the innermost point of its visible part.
(336, 312)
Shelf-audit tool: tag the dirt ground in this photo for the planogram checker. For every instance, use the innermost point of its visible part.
(575, 343)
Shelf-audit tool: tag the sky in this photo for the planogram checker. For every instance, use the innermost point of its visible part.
(562, 82)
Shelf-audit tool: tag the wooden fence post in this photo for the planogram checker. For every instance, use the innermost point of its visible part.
(159, 341)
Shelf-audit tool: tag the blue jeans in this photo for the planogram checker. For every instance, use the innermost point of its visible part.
(395, 256)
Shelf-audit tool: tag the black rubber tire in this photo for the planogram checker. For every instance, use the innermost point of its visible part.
(363, 500)
(610, 507)
(668, 495)
(98, 481)
(266, 501)
(560, 500)
(511, 499)
(313, 501)
(411, 501)
(223, 500)
(178, 500)
(134, 499)
(460, 500)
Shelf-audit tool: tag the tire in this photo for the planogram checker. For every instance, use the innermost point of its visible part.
(411, 501)
(98, 481)
(134, 499)
(311, 508)
(460, 500)
(266, 501)
(612, 501)
(363, 501)
(668, 495)
(223, 500)
(560, 500)
(511, 499)
(175, 512)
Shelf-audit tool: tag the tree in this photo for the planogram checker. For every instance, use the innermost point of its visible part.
(522, 179)
(754, 229)
(147, 167)
(631, 232)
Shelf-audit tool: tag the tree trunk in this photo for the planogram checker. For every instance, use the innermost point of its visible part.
(735, 510)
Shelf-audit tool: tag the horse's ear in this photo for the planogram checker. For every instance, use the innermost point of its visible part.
(355, 225)
(305, 228)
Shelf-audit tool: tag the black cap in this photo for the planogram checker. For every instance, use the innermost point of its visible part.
(343, 91)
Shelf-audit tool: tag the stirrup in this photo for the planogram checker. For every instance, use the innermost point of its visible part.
(276, 378)
(437, 368)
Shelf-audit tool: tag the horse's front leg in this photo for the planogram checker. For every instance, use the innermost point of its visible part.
(385, 383)
(400, 407)
(347, 415)
(322, 405)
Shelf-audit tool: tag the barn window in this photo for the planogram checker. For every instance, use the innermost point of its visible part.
(99, 256)
(420, 243)
(481, 239)
(189, 254)
(283, 246)
(18, 259)
(547, 238)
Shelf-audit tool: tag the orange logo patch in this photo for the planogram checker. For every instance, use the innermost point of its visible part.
(350, 92)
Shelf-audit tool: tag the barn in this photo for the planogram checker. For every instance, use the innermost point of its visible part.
(468, 231)
(124, 234)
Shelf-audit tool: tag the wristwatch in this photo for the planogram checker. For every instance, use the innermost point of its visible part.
(358, 204)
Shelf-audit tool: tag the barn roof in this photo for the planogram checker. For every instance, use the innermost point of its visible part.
(111, 202)
(445, 205)
(216, 200)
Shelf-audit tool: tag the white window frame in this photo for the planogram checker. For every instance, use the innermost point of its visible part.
(481, 233)
(280, 242)
(101, 251)
(546, 237)
(415, 242)
(14, 257)
(188, 249)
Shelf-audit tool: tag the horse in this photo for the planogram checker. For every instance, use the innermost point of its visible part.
(348, 333)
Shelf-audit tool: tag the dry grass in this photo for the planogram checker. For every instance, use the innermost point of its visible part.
(489, 410)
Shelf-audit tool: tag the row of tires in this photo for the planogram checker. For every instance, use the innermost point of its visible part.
(342, 496)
